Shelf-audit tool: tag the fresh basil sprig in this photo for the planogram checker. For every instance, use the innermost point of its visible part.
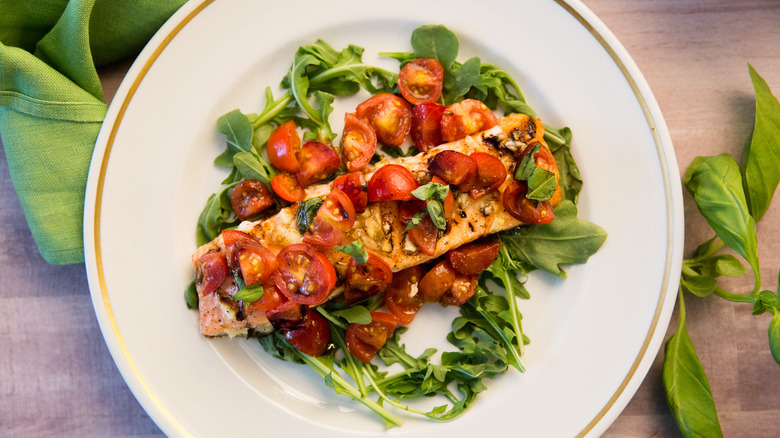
(307, 209)
(541, 182)
(357, 250)
(250, 294)
(732, 203)
(434, 195)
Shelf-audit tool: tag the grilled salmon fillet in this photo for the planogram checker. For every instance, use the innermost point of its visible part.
(378, 227)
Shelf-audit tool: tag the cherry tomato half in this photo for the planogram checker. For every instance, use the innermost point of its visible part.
(283, 147)
(466, 118)
(358, 142)
(473, 258)
(454, 168)
(391, 182)
(399, 298)
(365, 340)
(245, 254)
(270, 300)
(524, 209)
(287, 315)
(420, 80)
(491, 173)
(424, 236)
(210, 273)
(426, 125)
(249, 198)
(463, 288)
(437, 281)
(389, 115)
(286, 187)
(304, 275)
(365, 281)
(354, 185)
(318, 161)
(333, 219)
(313, 338)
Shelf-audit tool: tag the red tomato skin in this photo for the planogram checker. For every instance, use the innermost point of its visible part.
(454, 168)
(523, 209)
(286, 186)
(304, 275)
(365, 340)
(313, 338)
(389, 116)
(391, 182)
(425, 236)
(463, 288)
(398, 297)
(466, 118)
(491, 174)
(473, 258)
(420, 81)
(407, 209)
(333, 220)
(249, 198)
(256, 263)
(437, 281)
(283, 147)
(365, 281)
(358, 142)
(287, 315)
(355, 186)
(210, 273)
(318, 161)
(426, 125)
(270, 300)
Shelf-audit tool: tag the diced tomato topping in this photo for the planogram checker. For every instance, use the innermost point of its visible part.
(365, 281)
(389, 116)
(334, 218)
(399, 297)
(358, 142)
(304, 275)
(391, 182)
(464, 118)
(318, 161)
(245, 254)
(313, 338)
(354, 185)
(473, 258)
(424, 236)
(365, 340)
(270, 300)
(426, 125)
(286, 187)
(436, 282)
(421, 80)
(463, 288)
(283, 147)
(524, 209)
(454, 168)
(210, 273)
(491, 173)
(287, 315)
(249, 198)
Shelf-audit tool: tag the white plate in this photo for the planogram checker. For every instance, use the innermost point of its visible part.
(594, 335)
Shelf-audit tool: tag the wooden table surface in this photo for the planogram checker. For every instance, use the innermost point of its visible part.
(58, 379)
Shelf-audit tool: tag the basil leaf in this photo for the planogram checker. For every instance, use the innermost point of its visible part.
(238, 132)
(436, 212)
(434, 194)
(761, 157)
(716, 186)
(357, 250)
(432, 190)
(541, 185)
(250, 294)
(306, 211)
(565, 240)
(774, 337)
(191, 295)
(416, 219)
(354, 314)
(527, 164)
(254, 168)
(217, 215)
(687, 388)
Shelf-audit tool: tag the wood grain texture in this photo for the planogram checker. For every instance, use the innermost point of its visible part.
(58, 379)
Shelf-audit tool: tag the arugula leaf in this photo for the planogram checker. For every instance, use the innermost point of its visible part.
(191, 295)
(357, 250)
(250, 294)
(238, 132)
(354, 314)
(687, 389)
(565, 240)
(306, 211)
(397, 152)
(436, 42)
(217, 215)
(761, 156)
(716, 186)
(250, 166)
(460, 78)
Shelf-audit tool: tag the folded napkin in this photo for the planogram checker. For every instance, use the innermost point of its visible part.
(51, 102)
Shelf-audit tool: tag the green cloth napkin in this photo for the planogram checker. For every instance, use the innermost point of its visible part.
(51, 102)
